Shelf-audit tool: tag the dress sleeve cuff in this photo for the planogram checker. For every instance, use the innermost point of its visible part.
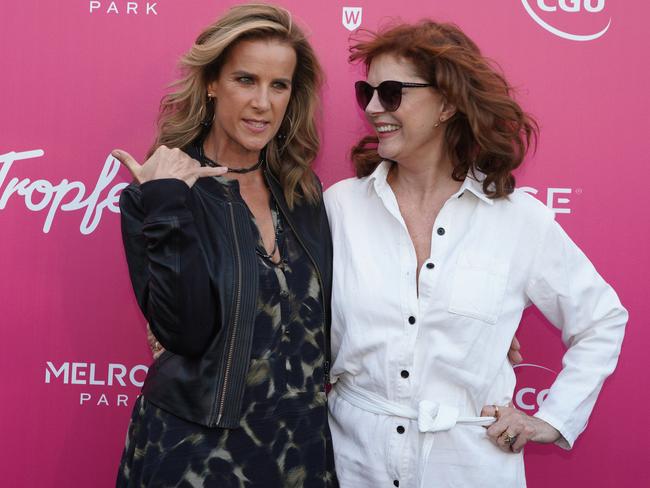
(164, 197)
(566, 439)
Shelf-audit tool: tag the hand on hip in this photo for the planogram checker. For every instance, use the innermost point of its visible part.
(513, 429)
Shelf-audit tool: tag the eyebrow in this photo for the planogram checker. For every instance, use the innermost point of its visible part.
(255, 77)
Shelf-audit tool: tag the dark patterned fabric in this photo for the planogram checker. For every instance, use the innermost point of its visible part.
(284, 439)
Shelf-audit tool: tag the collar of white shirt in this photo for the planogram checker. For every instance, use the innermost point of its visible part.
(378, 181)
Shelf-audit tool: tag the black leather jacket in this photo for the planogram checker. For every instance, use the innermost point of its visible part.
(192, 262)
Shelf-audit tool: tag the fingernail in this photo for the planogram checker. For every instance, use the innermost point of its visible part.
(115, 153)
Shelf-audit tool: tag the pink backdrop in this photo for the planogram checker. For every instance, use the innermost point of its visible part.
(81, 77)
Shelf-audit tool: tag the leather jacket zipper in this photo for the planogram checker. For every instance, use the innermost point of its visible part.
(233, 335)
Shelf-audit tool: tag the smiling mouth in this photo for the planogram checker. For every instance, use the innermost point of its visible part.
(383, 129)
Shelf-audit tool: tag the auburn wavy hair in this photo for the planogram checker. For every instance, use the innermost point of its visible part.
(489, 131)
(182, 111)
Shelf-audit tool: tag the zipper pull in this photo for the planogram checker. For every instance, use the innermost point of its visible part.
(326, 367)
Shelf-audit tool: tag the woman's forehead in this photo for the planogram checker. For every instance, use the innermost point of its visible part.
(390, 64)
(261, 52)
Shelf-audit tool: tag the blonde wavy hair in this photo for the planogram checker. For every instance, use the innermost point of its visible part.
(184, 110)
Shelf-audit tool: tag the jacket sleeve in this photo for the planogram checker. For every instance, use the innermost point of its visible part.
(567, 289)
(167, 265)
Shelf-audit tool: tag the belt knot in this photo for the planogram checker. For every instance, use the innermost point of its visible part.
(434, 417)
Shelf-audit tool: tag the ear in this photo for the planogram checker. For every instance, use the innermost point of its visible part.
(448, 111)
(212, 88)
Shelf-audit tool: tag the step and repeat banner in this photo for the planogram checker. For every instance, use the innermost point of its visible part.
(79, 78)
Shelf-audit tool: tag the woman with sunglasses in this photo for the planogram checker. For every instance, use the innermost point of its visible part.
(436, 256)
(232, 267)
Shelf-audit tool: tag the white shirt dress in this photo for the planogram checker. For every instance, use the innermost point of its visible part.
(416, 368)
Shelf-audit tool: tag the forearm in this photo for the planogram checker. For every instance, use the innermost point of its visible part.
(168, 269)
(590, 359)
(574, 297)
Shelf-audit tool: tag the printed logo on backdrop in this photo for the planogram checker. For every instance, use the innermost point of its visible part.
(99, 385)
(351, 17)
(575, 20)
(41, 195)
(99, 7)
(557, 199)
(533, 383)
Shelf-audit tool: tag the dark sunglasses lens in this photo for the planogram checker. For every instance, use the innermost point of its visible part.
(390, 95)
(364, 93)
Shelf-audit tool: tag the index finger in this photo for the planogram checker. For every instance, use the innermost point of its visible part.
(490, 411)
(205, 171)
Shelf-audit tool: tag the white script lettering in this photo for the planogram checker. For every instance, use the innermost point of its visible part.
(41, 194)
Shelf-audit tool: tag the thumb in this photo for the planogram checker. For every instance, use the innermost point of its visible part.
(204, 171)
(127, 160)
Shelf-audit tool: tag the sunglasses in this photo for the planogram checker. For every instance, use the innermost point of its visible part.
(390, 93)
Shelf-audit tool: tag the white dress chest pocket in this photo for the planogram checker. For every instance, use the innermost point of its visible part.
(478, 288)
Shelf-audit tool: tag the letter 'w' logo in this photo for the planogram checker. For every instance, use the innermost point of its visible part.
(352, 17)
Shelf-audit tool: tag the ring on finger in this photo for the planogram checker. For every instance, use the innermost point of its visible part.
(508, 438)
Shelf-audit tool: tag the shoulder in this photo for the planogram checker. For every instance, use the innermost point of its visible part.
(523, 203)
(520, 214)
(341, 196)
(346, 191)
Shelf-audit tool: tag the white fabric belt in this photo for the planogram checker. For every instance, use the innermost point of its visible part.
(431, 416)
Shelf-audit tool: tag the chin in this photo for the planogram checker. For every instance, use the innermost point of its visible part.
(389, 150)
(256, 147)
(386, 153)
(254, 144)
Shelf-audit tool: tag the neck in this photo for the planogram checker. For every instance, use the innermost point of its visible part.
(230, 155)
(426, 177)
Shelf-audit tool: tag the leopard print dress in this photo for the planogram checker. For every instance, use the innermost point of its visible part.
(284, 439)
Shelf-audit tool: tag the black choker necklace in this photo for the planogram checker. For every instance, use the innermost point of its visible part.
(206, 160)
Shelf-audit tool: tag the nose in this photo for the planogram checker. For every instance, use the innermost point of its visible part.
(261, 100)
(374, 106)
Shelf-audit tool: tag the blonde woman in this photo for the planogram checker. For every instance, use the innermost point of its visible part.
(229, 253)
